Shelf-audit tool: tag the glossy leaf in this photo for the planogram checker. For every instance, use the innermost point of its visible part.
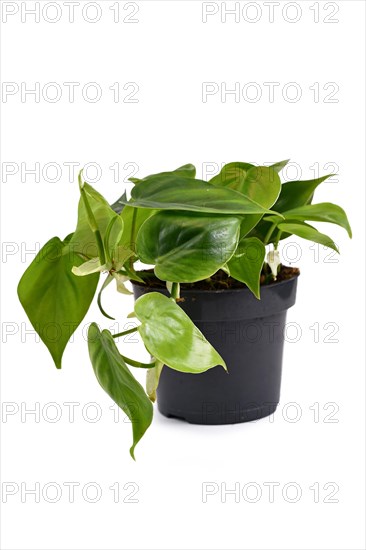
(246, 264)
(133, 218)
(120, 256)
(186, 171)
(232, 175)
(178, 193)
(170, 335)
(321, 212)
(111, 255)
(297, 193)
(54, 299)
(187, 247)
(293, 194)
(263, 185)
(307, 232)
(116, 379)
(113, 236)
(83, 240)
(278, 166)
(119, 205)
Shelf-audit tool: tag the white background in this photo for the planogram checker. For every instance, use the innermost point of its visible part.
(169, 53)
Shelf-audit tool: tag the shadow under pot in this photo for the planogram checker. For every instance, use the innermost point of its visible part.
(249, 335)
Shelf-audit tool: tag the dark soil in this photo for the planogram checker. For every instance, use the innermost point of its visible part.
(221, 280)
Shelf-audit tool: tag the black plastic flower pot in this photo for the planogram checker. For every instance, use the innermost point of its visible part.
(249, 335)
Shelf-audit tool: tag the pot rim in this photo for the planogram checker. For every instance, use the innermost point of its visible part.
(218, 291)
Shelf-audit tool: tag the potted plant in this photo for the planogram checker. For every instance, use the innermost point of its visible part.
(212, 310)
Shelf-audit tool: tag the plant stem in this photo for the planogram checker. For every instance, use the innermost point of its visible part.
(100, 246)
(175, 292)
(132, 237)
(125, 332)
(277, 240)
(269, 233)
(138, 364)
(131, 273)
(92, 221)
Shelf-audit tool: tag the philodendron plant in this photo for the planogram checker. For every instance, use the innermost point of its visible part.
(188, 229)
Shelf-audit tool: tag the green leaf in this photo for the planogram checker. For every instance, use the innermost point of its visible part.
(152, 380)
(278, 166)
(133, 218)
(113, 236)
(297, 193)
(91, 266)
(116, 379)
(116, 258)
(232, 175)
(259, 183)
(322, 212)
(120, 255)
(307, 232)
(178, 193)
(293, 194)
(246, 264)
(83, 240)
(54, 299)
(170, 335)
(263, 185)
(119, 205)
(187, 171)
(120, 282)
(131, 315)
(187, 247)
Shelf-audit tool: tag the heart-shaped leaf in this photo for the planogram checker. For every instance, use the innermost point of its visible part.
(54, 299)
(170, 335)
(179, 193)
(116, 379)
(133, 218)
(232, 175)
(187, 171)
(185, 246)
(246, 264)
(263, 185)
(83, 240)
